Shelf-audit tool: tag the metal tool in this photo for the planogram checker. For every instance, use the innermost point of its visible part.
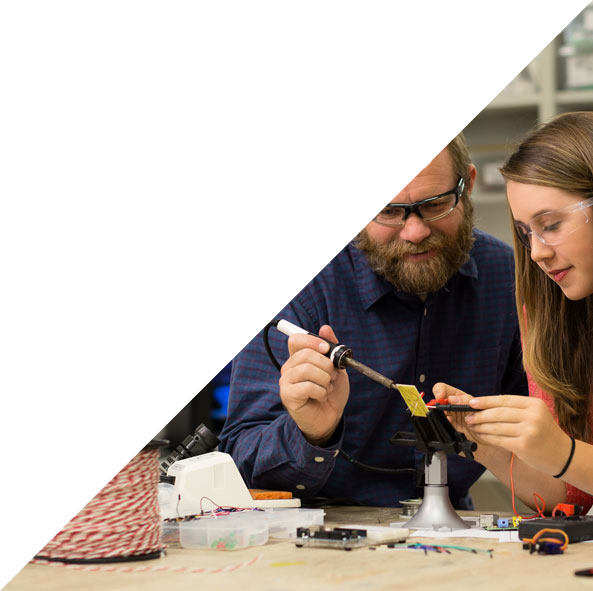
(340, 355)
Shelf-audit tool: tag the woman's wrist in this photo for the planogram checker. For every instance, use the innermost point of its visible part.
(492, 457)
(569, 459)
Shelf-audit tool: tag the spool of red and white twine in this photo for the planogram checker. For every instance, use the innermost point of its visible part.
(121, 523)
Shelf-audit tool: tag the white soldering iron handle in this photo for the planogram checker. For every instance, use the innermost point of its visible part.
(338, 354)
(289, 328)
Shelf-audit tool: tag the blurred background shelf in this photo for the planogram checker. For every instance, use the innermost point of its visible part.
(575, 98)
(560, 79)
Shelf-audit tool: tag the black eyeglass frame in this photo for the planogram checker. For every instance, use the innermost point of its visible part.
(410, 208)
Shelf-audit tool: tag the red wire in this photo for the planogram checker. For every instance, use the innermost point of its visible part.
(536, 496)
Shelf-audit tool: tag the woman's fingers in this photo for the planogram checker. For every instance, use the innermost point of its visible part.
(442, 390)
(501, 429)
(502, 401)
(495, 415)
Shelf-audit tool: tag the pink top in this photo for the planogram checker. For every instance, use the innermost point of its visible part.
(574, 496)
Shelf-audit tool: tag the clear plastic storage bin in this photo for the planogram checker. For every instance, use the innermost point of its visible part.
(224, 532)
(283, 523)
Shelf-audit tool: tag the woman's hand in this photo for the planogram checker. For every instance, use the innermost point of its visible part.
(522, 425)
(453, 395)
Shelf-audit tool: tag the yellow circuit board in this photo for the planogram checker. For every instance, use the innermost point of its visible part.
(413, 399)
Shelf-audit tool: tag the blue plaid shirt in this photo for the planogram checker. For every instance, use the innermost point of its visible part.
(466, 334)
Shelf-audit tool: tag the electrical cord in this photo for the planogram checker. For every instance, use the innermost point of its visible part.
(536, 497)
(317, 502)
(376, 468)
(267, 344)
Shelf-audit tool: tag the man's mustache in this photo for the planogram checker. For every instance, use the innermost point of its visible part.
(400, 249)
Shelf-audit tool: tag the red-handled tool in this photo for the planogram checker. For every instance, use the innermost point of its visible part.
(443, 404)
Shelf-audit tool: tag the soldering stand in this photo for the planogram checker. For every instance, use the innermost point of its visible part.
(436, 511)
(435, 437)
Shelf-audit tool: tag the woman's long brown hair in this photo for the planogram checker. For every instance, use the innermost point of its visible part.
(557, 333)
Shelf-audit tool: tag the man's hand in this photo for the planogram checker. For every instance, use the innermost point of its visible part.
(312, 390)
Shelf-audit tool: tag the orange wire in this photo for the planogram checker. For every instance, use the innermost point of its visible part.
(536, 537)
(536, 496)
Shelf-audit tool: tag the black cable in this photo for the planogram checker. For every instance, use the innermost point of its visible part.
(267, 344)
(323, 502)
(105, 560)
(375, 468)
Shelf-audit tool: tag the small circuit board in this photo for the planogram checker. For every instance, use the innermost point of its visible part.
(413, 400)
(340, 538)
(501, 523)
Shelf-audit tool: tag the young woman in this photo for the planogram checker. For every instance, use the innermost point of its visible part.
(549, 181)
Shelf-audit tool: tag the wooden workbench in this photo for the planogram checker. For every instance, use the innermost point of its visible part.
(280, 565)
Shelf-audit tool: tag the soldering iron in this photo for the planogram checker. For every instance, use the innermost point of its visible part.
(341, 356)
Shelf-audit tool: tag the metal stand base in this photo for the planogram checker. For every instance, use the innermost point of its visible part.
(436, 510)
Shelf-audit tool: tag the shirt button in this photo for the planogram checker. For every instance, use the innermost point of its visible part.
(422, 378)
(319, 459)
(300, 486)
(425, 311)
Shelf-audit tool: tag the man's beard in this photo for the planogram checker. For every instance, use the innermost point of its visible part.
(424, 276)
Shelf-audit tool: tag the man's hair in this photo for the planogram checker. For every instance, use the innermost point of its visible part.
(461, 162)
(557, 333)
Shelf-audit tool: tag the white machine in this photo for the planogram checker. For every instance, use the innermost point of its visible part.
(206, 481)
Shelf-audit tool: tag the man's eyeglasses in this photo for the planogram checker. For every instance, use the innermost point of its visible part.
(554, 227)
(430, 209)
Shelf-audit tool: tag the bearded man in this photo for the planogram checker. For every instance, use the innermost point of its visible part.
(421, 296)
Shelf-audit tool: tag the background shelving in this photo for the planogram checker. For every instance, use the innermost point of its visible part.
(559, 79)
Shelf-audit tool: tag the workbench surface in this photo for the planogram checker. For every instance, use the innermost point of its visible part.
(280, 565)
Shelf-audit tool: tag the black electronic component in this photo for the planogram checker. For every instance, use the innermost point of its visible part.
(454, 408)
(578, 528)
(341, 538)
(544, 547)
(201, 442)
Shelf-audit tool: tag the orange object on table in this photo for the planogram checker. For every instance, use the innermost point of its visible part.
(259, 494)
